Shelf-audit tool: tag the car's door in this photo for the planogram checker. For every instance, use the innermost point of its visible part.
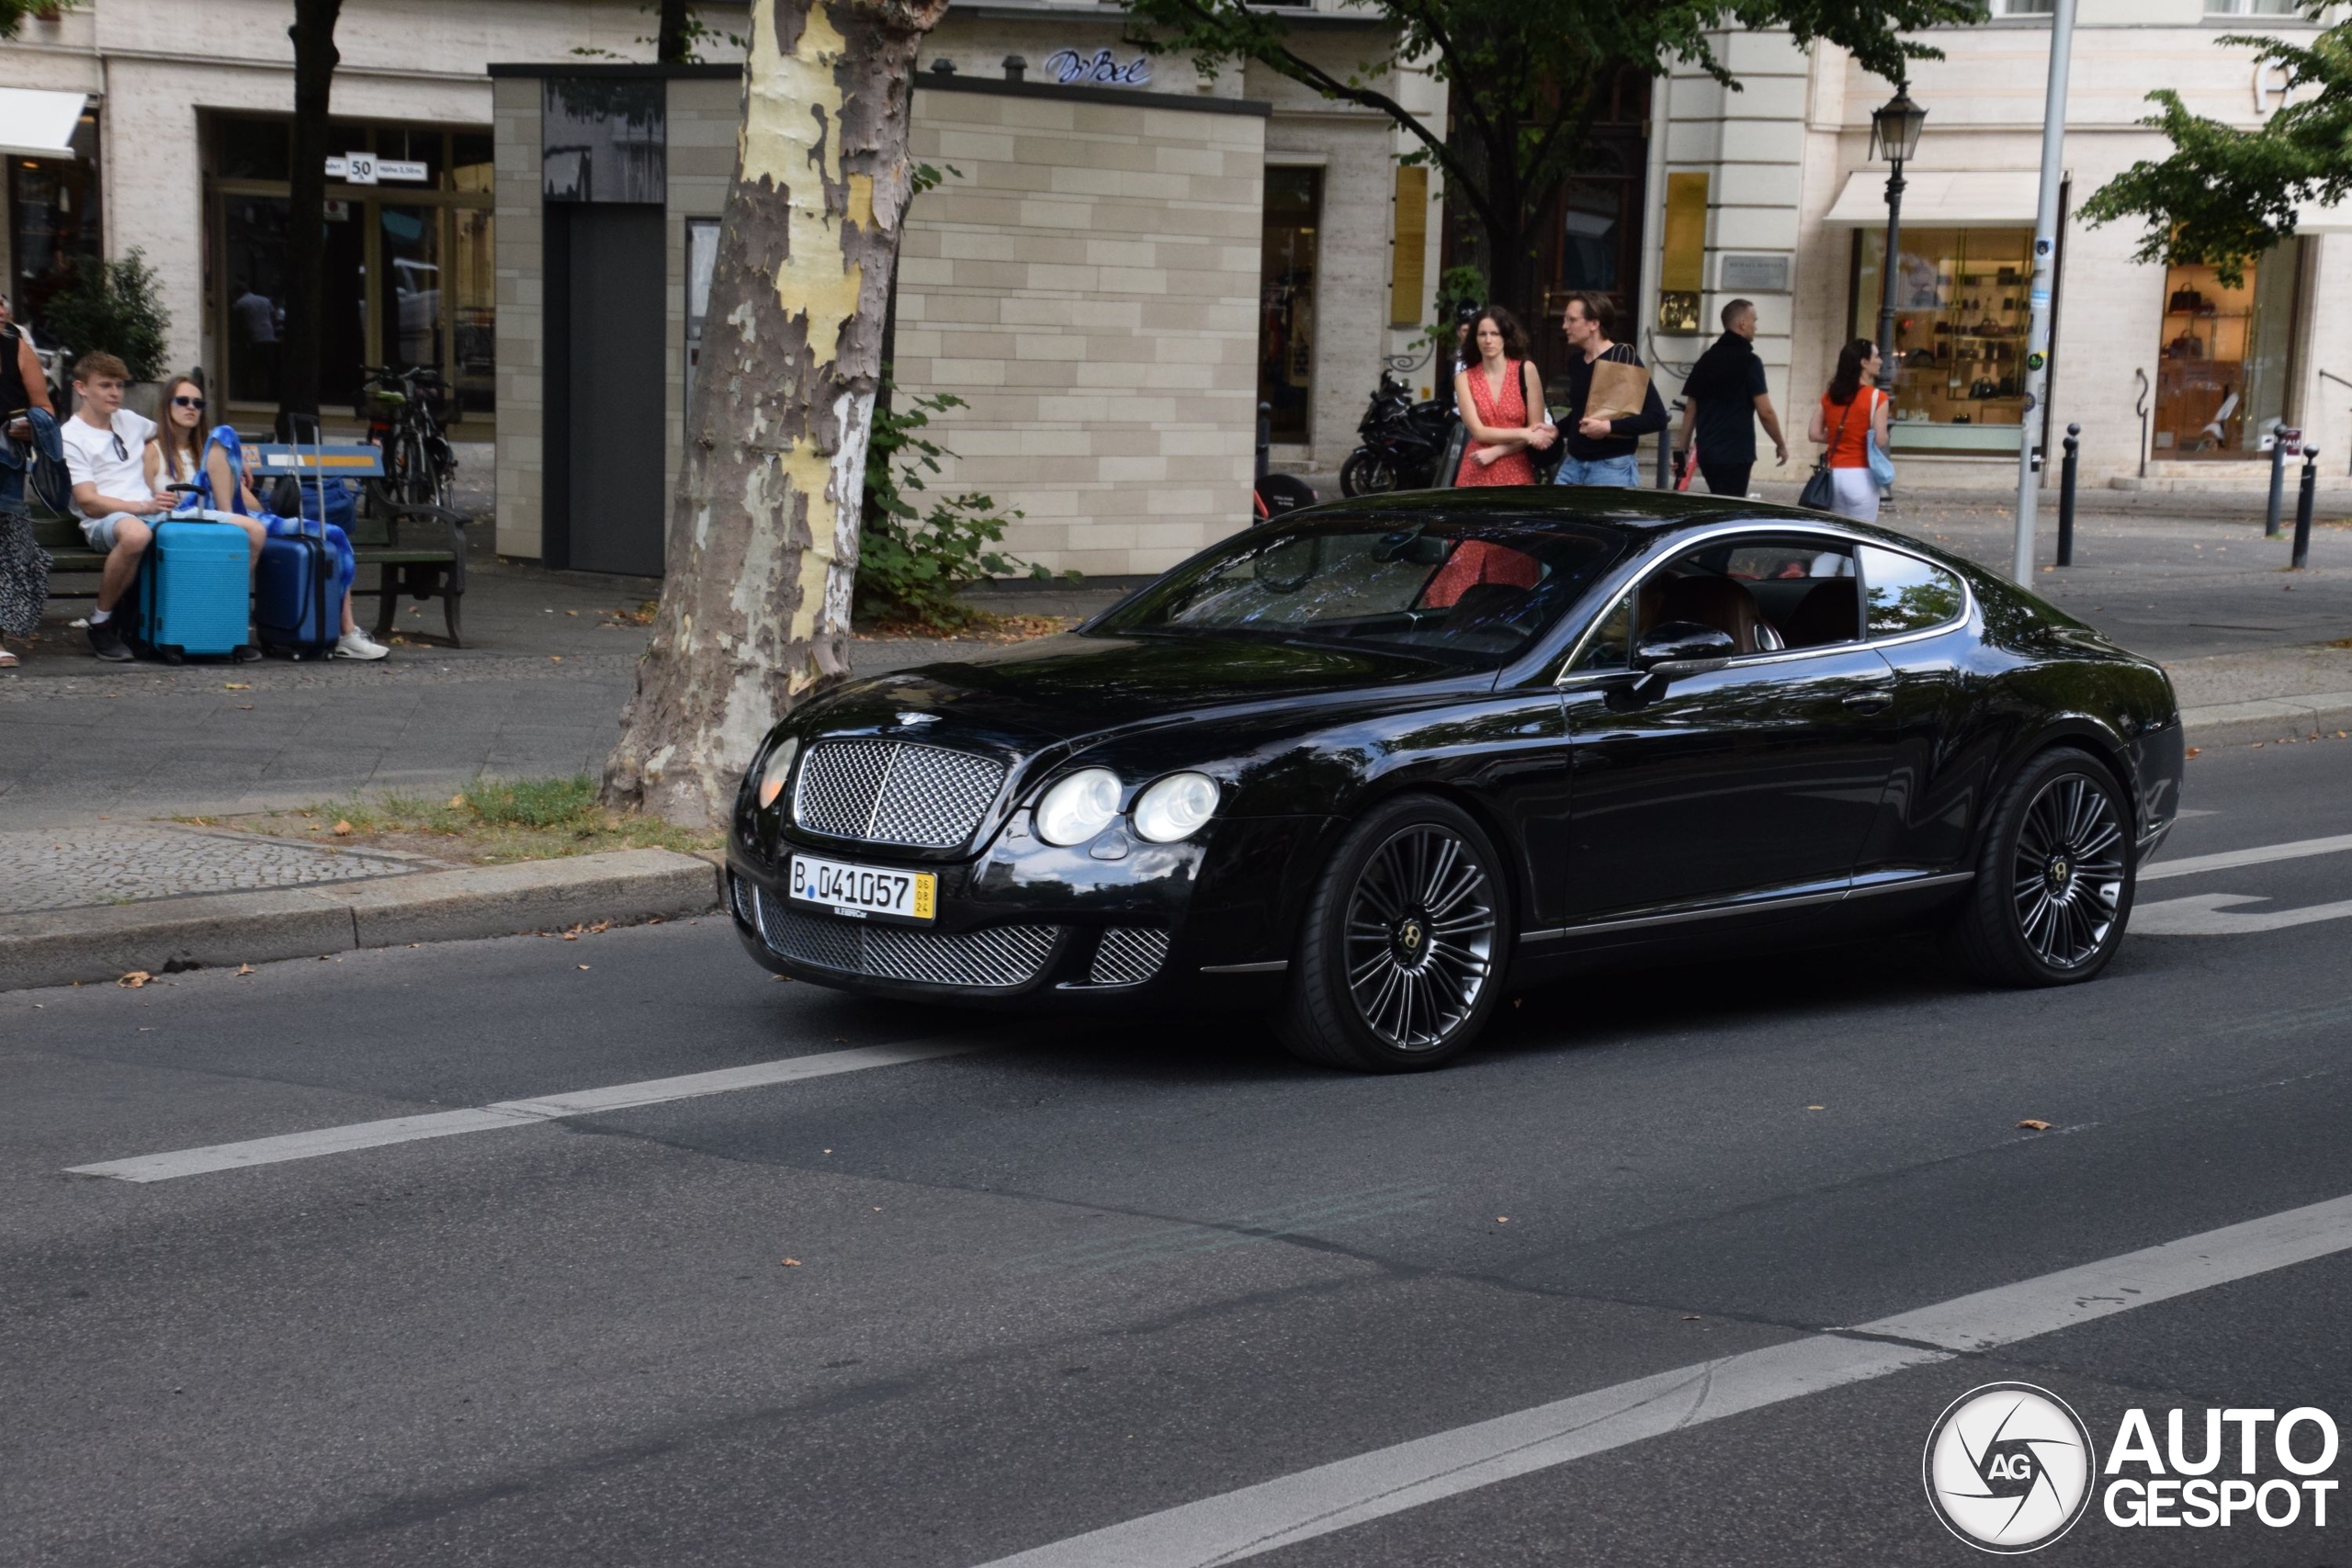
(1763, 773)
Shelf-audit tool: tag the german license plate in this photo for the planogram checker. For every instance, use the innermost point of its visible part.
(862, 890)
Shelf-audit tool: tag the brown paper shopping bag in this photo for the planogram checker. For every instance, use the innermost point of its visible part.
(1619, 390)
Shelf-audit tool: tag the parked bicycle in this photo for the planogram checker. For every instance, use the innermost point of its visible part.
(419, 467)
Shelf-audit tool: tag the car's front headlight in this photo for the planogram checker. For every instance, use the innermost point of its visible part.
(1175, 807)
(776, 771)
(1079, 808)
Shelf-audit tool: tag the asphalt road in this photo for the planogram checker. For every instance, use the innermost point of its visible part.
(1070, 1278)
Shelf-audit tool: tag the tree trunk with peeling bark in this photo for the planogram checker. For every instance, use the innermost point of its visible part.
(762, 539)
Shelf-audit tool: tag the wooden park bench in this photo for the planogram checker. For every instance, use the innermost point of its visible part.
(418, 551)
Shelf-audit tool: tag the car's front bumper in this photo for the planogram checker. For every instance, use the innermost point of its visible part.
(1112, 926)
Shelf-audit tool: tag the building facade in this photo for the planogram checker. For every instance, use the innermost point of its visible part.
(2176, 379)
(176, 146)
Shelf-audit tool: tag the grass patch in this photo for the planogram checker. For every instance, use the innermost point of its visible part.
(488, 822)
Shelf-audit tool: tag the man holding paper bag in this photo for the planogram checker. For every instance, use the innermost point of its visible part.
(1611, 405)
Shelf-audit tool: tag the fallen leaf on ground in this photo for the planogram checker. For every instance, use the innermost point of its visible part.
(341, 829)
(1690, 1317)
(456, 801)
(135, 979)
(2193, 750)
(572, 936)
(244, 968)
(583, 966)
(244, 708)
(1502, 1219)
(236, 686)
(2034, 1124)
(1816, 1108)
(555, 658)
(789, 1263)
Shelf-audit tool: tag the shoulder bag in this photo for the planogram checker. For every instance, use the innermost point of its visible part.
(1881, 465)
(1820, 492)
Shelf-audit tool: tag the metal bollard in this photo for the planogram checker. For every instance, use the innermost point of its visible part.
(1265, 439)
(2066, 497)
(2303, 508)
(2278, 477)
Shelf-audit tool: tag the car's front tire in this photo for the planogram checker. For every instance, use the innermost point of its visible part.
(1401, 955)
(2053, 879)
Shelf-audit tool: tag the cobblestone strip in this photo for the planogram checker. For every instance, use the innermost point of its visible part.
(65, 868)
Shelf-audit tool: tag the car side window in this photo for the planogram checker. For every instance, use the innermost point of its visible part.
(1904, 593)
(1610, 644)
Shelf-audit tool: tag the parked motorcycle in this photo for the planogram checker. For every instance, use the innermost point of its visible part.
(1404, 442)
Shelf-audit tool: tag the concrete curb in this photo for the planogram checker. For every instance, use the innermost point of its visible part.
(2265, 718)
(58, 947)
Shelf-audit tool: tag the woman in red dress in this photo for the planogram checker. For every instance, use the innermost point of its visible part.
(1494, 397)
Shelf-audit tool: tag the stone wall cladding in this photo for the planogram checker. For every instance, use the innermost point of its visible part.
(1089, 285)
(522, 315)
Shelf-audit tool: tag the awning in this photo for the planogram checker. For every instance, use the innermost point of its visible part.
(37, 124)
(2311, 218)
(1940, 199)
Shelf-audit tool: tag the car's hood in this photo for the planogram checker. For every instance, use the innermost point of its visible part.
(1072, 686)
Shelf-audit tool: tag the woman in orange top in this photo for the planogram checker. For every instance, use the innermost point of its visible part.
(1851, 409)
(1495, 397)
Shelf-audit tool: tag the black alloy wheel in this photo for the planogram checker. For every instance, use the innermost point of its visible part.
(1367, 473)
(2054, 880)
(1400, 960)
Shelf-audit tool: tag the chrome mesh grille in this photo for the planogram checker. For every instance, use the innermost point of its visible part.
(1128, 955)
(895, 792)
(995, 956)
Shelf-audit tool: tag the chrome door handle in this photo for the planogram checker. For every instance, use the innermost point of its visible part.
(1871, 701)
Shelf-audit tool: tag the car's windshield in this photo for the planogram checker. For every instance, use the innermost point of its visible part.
(1468, 593)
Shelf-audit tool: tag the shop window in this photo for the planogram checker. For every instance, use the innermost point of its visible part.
(473, 317)
(1286, 298)
(253, 150)
(1960, 319)
(2225, 358)
(53, 223)
(471, 162)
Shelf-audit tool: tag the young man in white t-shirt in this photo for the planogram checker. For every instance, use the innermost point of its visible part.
(105, 455)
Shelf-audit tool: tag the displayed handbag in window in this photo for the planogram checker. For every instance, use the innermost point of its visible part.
(2188, 302)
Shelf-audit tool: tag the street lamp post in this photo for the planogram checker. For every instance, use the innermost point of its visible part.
(1895, 136)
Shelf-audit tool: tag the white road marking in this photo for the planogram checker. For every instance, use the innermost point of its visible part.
(2213, 914)
(520, 1113)
(2261, 854)
(1291, 1508)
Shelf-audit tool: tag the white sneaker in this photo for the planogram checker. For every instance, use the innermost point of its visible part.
(357, 645)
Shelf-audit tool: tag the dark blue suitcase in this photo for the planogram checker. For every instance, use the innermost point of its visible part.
(192, 591)
(291, 609)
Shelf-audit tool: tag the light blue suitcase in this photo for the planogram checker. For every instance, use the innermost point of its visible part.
(193, 585)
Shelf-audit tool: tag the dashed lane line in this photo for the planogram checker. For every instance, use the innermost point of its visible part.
(1246, 1523)
(507, 1113)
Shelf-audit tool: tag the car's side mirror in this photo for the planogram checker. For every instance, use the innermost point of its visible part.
(1678, 643)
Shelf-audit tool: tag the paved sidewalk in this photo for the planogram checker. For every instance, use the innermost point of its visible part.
(130, 862)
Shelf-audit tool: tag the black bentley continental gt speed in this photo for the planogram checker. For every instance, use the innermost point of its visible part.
(1375, 764)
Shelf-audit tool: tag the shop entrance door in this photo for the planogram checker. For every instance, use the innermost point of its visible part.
(604, 276)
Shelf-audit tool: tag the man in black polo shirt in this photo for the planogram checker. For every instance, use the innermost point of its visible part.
(1724, 399)
(1599, 451)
